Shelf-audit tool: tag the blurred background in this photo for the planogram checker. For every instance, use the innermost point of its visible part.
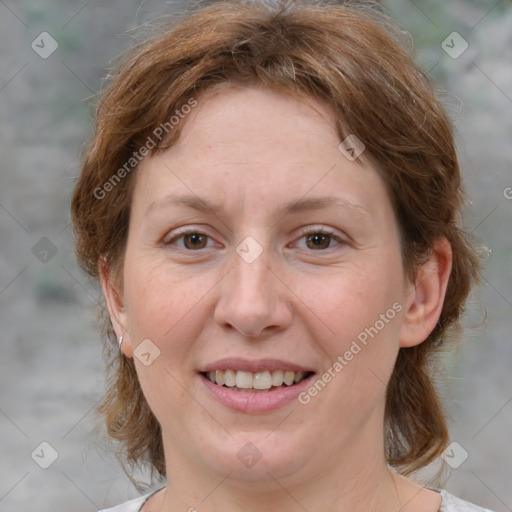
(54, 56)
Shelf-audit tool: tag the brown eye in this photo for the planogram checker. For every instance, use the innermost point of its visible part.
(194, 241)
(317, 241)
(189, 240)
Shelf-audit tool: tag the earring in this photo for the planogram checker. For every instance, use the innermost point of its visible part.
(120, 340)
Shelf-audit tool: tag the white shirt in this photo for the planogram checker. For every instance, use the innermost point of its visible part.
(449, 503)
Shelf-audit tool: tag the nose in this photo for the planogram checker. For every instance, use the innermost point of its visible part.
(253, 299)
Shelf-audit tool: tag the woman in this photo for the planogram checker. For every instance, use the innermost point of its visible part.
(270, 203)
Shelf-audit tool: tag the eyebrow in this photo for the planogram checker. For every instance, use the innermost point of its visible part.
(292, 207)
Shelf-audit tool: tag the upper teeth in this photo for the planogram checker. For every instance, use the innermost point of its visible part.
(248, 380)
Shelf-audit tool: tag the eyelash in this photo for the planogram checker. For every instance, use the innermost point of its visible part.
(304, 233)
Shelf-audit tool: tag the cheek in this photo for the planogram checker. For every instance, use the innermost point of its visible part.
(351, 301)
(358, 316)
(165, 307)
(163, 304)
(365, 314)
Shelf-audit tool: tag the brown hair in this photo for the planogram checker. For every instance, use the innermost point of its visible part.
(349, 56)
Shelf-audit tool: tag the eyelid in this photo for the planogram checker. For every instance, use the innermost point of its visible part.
(178, 233)
(317, 229)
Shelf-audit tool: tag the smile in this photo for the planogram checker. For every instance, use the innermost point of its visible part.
(249, 382)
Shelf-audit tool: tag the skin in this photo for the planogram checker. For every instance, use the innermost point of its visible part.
(252, 150)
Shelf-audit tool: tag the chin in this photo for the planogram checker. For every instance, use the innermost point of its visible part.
(257, 459)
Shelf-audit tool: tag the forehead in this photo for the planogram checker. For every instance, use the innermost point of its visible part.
(258, 119)
(254, 146)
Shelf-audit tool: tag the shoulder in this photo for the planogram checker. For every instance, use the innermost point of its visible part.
(450, 503)
(130, 506)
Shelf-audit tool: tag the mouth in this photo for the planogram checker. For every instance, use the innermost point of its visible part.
(256, 382)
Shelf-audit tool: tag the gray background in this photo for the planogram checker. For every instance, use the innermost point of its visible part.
(51, 370)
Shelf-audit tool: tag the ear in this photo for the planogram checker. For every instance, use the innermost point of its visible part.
(425, 298)
(113, 293)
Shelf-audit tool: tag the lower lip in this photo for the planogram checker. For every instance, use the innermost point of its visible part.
(255, 402)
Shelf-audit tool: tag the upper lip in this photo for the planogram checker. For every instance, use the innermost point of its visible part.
(254, 366)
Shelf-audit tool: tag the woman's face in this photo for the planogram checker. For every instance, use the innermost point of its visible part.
(226, 268)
